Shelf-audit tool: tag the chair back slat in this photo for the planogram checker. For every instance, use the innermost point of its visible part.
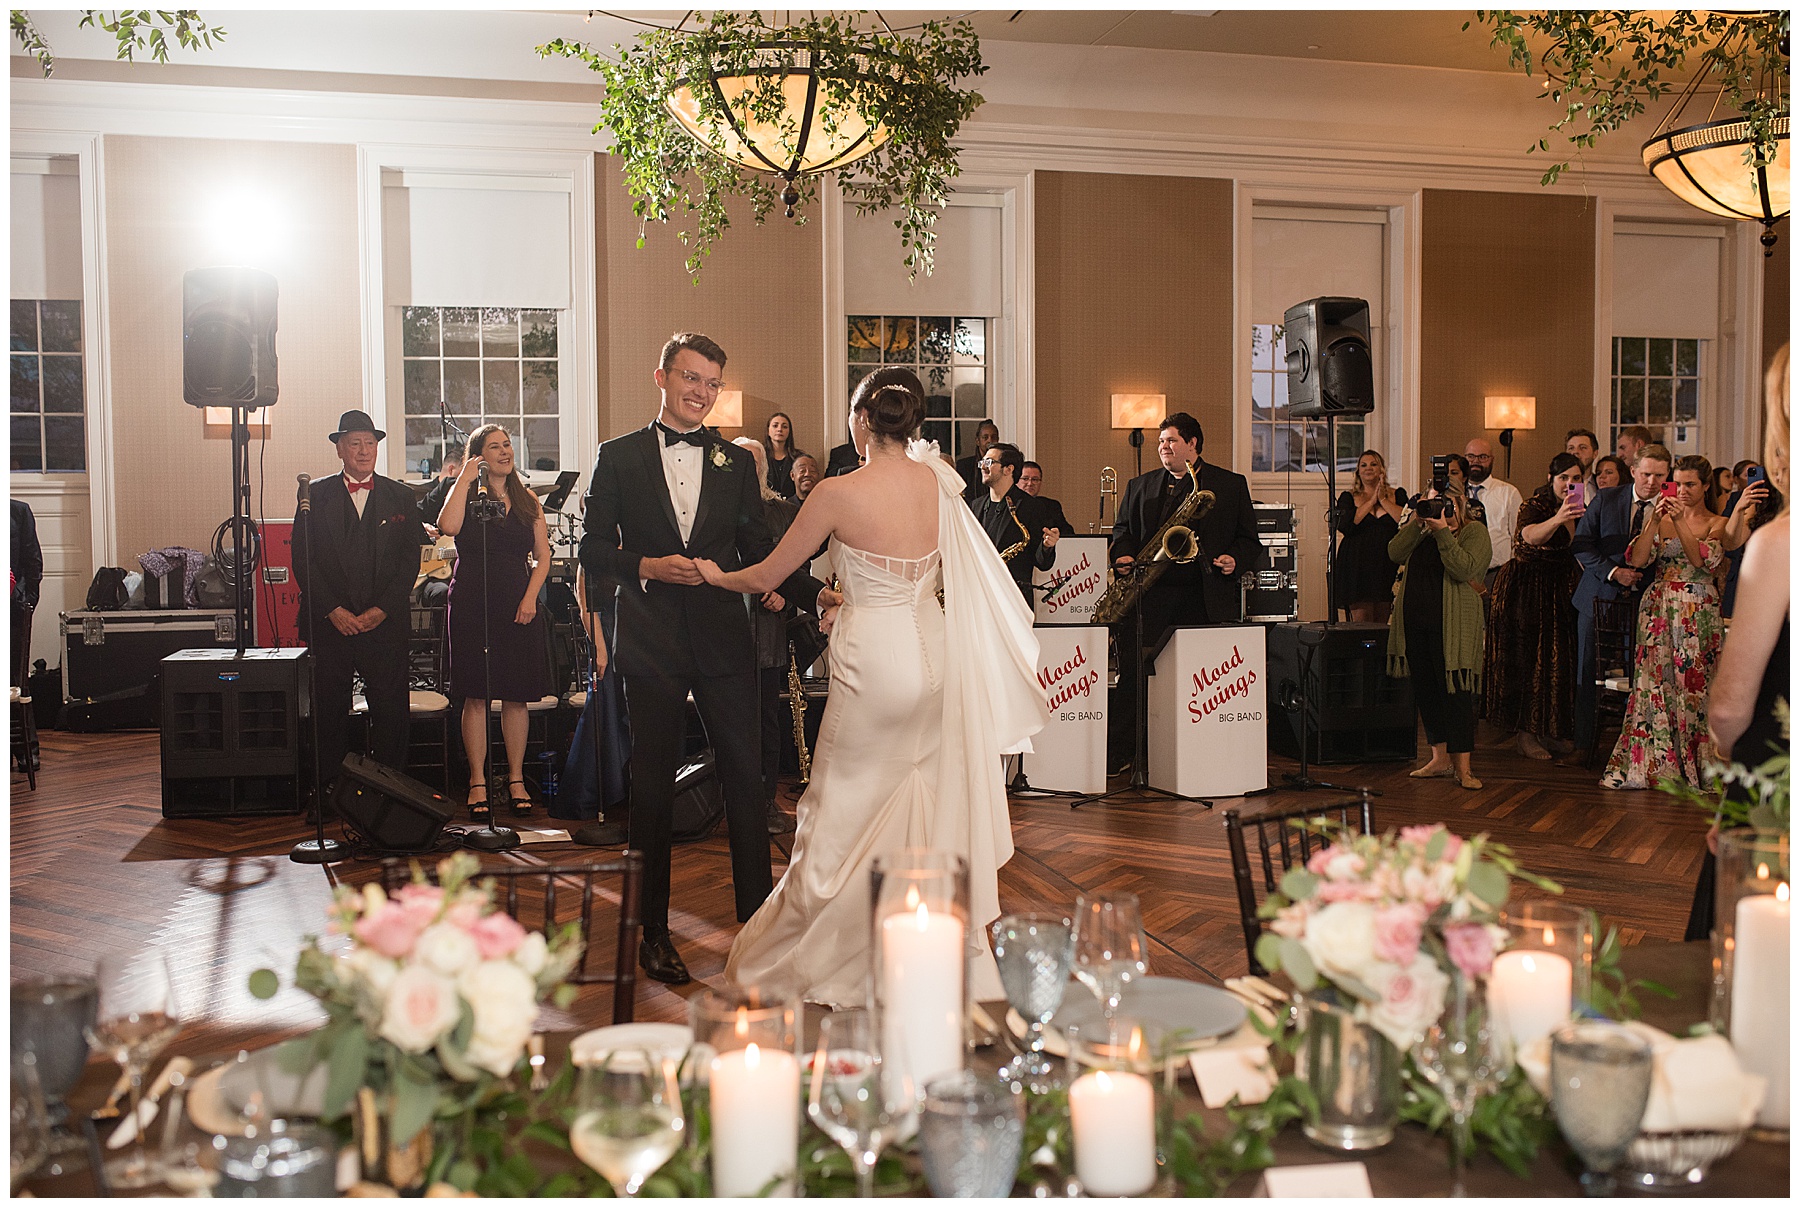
(1278, 842)
(509, 879)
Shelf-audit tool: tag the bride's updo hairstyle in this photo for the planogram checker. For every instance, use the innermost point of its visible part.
(893, 410)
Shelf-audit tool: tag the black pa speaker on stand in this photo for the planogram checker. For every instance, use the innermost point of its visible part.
(228, 337)
(389, 810)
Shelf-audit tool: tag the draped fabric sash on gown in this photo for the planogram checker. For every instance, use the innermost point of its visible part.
(923, 703)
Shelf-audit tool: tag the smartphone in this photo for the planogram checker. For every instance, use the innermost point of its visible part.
(1668, 490)
(1578, 494)
(1755, 474)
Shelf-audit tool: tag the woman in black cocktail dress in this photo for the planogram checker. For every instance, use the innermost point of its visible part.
(494, 625)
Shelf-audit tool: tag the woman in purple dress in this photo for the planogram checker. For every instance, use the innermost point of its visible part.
(497, 645)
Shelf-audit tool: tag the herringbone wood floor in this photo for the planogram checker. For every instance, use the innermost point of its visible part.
(95, 867)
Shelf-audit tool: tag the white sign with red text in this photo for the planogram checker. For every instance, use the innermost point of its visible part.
(1067, 592)
(1069, 754)
(1209, 712)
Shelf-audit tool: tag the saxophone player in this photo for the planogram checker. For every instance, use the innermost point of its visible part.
(1016, 523)
(1201, 592)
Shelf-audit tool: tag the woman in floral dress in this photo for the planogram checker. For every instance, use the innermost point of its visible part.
(1679, 636)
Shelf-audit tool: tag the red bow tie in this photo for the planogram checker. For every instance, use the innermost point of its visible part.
(358, 486)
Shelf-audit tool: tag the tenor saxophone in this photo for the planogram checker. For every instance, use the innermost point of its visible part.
(1172, 542)
(797, 708)
(1018, 547)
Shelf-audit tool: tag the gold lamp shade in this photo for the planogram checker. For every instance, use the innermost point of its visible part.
(1138, 410)
(728, 410)
(818, 127)
(1704, 166)
(1509, 412)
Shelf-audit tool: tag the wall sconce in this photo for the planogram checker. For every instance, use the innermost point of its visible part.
(1505, 413)
(1137, 412)
(728, 411)
(218, 423)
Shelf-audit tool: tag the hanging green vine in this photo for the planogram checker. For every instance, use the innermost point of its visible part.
(133, 30)
(907, 84)
(1606, 66)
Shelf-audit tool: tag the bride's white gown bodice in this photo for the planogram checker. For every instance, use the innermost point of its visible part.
(922, 704)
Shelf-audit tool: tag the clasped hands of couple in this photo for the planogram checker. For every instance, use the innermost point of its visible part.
(691, 572)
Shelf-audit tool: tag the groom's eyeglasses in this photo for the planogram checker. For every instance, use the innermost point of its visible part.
(712, 385)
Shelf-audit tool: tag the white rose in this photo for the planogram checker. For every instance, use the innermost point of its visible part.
(1410, 999)
(446, 948)
(532, 952)
(1341, 939)
(421, 1006)
(372, 969)
(503, 998)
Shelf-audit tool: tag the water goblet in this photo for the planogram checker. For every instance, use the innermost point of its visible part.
(135, 1018)
(29, 1127)
(854, 1096)
(1599, 1087)
(1464, 1054)
(1033, 952)
(628, 1119)
(50, 1018)
(1109, 946)
(970, 1131)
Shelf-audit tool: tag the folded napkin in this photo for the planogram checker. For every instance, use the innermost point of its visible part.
(1697, 1083)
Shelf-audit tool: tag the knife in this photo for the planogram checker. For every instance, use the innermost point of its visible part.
(146, 1112)
(111, 1106)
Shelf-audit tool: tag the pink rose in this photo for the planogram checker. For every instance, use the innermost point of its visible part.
(1471, 947)
(1344, 891)
(1420, 835)
(1316, 865)
(390, 930)
(1411, 998)
(421, 902)
(1397, 932)
(497, 935)
(465, 915)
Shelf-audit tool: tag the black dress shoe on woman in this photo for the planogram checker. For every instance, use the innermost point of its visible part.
(660, 961)
(480, 812)
(520, 801)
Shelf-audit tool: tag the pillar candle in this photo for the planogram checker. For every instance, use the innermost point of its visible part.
(922, 964)
(1759, 997)
(755, 1120)
(1113, 1114)
(1532, 991)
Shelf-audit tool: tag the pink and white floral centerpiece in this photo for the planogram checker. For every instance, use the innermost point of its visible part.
(434, 997)
(1389, 920)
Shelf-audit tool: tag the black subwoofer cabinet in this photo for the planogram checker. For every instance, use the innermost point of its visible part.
(1355, 712)
(232, 734)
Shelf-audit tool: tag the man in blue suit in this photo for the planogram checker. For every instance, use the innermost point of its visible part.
(1601, 540)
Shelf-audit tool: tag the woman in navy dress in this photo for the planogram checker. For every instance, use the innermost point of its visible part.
(494, 625)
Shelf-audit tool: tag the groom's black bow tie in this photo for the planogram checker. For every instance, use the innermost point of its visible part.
(696, 438)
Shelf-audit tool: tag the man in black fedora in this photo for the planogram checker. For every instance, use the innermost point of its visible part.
(356, 555)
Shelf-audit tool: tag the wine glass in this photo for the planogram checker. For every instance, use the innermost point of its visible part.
(50, 1019)
(1033, 952)
(1465, 1053)
(628, 1117)
(137, 1016)
(1599, 1085)
(1109, 946)
(854, 1097)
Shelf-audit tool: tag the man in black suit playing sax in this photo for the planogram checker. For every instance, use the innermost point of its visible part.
(1201, 592)
(659, 498)
(357, 556)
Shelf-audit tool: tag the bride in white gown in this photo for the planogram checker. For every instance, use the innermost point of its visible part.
(924, 701)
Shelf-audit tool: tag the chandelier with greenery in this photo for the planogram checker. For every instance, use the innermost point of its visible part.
(1607, 66)
(740, 106)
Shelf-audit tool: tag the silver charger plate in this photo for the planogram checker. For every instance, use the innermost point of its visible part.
(1197, 1012)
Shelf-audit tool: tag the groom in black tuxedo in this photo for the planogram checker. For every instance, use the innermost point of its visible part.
(659, 498)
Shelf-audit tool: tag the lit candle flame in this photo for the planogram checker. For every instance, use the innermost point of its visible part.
(1549, 936)
(1134, 1047)
(743, 1022)
(923, 918)
(1102, 1082)
(1527, 964)
(912, 896)
(1781, 892)
(1762, 872)
(752, 1057)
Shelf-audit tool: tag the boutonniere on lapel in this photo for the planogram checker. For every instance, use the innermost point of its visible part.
(720, 459)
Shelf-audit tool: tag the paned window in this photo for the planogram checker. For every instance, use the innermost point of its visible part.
(1278, 442)
(950, 356)
(486, 365)
(49, 393)
(1656, 383)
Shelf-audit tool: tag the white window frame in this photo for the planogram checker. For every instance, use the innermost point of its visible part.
(578, 379)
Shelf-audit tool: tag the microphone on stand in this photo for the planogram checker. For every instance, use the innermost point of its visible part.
(318, 849)
(305, 481)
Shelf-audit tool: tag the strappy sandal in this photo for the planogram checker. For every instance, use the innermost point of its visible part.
(480, 811)
(522, 803)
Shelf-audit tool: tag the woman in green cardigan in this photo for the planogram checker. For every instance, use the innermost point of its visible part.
(1435, 633)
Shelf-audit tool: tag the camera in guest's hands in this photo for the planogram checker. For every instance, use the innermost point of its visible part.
(1438, 505)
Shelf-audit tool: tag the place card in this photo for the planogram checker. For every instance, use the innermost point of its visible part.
(1227, 1071)
(542, 836)
(1326, 1180)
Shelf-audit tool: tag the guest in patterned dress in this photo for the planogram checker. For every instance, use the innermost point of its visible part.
(1679, 635)
(1532, 626)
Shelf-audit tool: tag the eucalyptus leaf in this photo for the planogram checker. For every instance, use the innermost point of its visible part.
(415, 1103)
(1269, 952)
(1434, 847)
(349, 1065)
(1297, 884)
(1298, 964)
(1488, 883)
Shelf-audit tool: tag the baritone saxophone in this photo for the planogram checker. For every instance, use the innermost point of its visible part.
(1172, 542)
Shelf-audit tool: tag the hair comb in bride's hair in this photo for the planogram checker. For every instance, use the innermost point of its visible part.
(893, 411)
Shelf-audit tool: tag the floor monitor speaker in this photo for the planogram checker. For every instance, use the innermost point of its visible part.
(389, 810)
(1355, 711)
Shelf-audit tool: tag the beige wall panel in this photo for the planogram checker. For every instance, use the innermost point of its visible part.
(1508, 309)
(761, 296)
(172, 486)
(1134, 289)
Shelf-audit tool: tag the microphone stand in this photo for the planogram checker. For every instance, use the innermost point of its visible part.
(490, 837)
(318, 849)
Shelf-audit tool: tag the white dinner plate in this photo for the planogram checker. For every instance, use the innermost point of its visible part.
(660, 1039)
(1203, 1015)
(217, 1098)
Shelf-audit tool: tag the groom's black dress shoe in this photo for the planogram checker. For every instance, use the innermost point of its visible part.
(779, 823)
(660, 961)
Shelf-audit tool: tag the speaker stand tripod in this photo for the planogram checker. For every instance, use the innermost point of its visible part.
(1139, 786)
